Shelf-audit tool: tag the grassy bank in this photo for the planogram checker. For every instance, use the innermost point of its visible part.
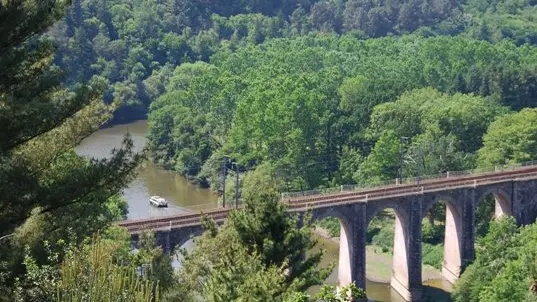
(378, 272)
(378, 262)
(380, 236)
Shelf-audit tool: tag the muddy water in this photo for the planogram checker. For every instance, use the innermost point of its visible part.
(152, 180)
(434, 290)
(185, 197)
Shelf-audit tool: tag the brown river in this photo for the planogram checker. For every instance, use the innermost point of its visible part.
(185, 197)
(152, 180)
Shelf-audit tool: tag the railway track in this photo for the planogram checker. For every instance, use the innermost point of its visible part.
(326, 200)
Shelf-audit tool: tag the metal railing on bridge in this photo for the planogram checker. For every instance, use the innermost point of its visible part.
(220, 213)
(408, 180)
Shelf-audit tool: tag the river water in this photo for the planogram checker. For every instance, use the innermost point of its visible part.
(151, 180)
(185, 197)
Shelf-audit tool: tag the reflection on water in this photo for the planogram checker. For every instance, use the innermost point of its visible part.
(151, 180)
(183, 196)
(434, 290)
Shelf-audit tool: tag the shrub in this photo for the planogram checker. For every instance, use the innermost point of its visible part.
(331, 224)
(432, 255)
(432, 234)
(384, 238)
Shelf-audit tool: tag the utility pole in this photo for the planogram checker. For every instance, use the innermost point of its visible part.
(224, 172)
(419, 163)
(236, 185)
(402, 140)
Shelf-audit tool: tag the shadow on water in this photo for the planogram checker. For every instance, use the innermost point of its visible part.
(383, 292)
(433, 289)
(431, 293)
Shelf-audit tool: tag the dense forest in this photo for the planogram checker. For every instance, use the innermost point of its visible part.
(136, 45)
(213, 77)
(293, 95)
(315, 107)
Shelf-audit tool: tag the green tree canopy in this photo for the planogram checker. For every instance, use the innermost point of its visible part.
(505, 265)
(258, 255)
(510, 139)
(442, 132)
(298, 103)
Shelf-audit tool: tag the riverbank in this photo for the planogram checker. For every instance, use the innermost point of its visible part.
(378, 264)
(152, 179)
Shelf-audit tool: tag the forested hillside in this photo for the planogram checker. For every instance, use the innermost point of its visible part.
(315, 107)
(320, 91)
(135, 45)
(291, 94)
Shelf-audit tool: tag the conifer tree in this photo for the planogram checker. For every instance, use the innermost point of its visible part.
(259, 254)
(45, 188)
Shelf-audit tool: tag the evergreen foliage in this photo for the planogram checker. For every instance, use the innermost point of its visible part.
(92, 272)
(46, 190)
(258, 255)
(91, 275)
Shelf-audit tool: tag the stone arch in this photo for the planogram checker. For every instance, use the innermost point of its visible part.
(177, 237)
(453, 233)
(406, 258)
(503, 203)
(334, 212)
(347, 241)
(187, 233)
(374, 208)
(438, 197)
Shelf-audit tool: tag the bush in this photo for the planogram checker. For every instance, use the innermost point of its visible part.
(329, 293)
(432, 234)
(371, 232)
(384, 238)
(331, 224)
(385, 222)
(432, 255)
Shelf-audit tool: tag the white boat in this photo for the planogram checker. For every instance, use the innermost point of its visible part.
(158, 201)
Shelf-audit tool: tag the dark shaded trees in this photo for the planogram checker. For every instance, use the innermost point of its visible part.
(45, 189)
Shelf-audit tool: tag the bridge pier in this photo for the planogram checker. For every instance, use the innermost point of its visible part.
(352, 243)
(406, 269)
(502, 206)
(459, 234)
(524, 201)
(451, 266)
(514, 195)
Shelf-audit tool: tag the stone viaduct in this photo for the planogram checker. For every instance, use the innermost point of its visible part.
(514, 191)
